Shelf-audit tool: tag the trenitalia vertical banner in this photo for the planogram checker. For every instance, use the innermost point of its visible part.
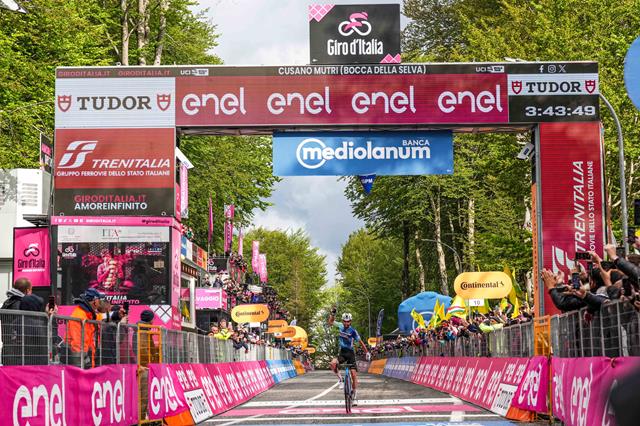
(31, 255)
(570, 195)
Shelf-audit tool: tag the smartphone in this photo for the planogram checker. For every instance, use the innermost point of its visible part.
(582, 255)
(125, 306)
(52, 302)
(575, 280)
(606, 265)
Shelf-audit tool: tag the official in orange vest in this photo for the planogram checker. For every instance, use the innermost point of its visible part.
(86, 309)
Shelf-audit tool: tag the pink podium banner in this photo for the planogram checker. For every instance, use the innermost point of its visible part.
(65, 395)
(580, 388)
(204, 389)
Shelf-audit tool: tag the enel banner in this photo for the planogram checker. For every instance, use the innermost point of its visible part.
(65, 395)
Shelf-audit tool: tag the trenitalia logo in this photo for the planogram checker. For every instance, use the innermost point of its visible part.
(76, 154)
(312, 153)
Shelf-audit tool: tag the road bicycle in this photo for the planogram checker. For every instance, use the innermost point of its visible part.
(348, 386)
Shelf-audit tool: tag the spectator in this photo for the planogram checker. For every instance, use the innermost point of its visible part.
(147, 349)
(83, 348)
(34, 333)
(11, 327)
(110, 340)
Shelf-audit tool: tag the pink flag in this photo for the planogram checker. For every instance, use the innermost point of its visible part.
(228, 236)
(210, 220)
(255, 252)
(229, 211)
(263, 268)
(240, 242)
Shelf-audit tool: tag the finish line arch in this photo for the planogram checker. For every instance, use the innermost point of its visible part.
(100, 108)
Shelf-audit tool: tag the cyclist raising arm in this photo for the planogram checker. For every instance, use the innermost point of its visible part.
(347, 355)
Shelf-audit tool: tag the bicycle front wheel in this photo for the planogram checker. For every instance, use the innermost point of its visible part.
(347, 391)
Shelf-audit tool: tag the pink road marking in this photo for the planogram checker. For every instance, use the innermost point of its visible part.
(356, 410)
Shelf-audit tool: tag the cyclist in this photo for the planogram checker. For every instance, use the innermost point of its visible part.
(348, 335)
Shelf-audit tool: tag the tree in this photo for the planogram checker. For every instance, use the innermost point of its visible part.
(372, 265)
(83, 33)
(296, 270)
(231, 170)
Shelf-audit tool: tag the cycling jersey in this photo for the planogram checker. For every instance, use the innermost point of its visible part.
(347, 336)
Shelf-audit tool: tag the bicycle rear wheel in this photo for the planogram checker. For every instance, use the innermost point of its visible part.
(347, 391)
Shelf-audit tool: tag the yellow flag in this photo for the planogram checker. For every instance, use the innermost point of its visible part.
(513, 299)
(442, 316)
(418, 318)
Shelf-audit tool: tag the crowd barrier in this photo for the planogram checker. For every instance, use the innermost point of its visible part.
(176, 394)
(33, 338)
(573, 390)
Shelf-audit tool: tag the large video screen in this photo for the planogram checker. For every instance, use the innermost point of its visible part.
(137, 272)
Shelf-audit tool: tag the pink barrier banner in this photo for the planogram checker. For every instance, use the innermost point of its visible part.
(204, 389)
(533, 391)
(580, 388)
(64, 395)
(488, 382)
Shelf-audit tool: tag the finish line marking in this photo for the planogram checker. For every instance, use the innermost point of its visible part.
(339, 402)
(353, 418)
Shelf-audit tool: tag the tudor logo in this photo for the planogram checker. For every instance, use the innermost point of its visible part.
(590, 85)
(516, 86)
(115, 103)
(64, 102)
(163, 101)
(76, 154)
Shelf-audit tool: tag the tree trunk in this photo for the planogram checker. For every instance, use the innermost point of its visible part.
(162, 31)
(143, 30)
(124, 20)
(405, 254)
(471, 234)
(456, 258)
(419, 261)
(442, 263)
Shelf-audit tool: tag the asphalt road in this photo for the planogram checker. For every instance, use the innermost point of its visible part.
(314, 398)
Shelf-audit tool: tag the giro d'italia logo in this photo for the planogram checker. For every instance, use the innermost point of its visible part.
(358, 23)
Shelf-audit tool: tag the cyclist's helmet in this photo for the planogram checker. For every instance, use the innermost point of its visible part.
(346, 316)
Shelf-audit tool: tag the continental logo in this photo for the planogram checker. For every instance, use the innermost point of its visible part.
(250, 313)
(497, 284)
(482, 285)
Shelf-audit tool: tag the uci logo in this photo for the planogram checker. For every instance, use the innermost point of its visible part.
(357, 23)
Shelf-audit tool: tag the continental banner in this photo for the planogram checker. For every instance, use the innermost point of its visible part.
(377, 366)
(250, 313)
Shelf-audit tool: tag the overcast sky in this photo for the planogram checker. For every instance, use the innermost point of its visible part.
(276, 32)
